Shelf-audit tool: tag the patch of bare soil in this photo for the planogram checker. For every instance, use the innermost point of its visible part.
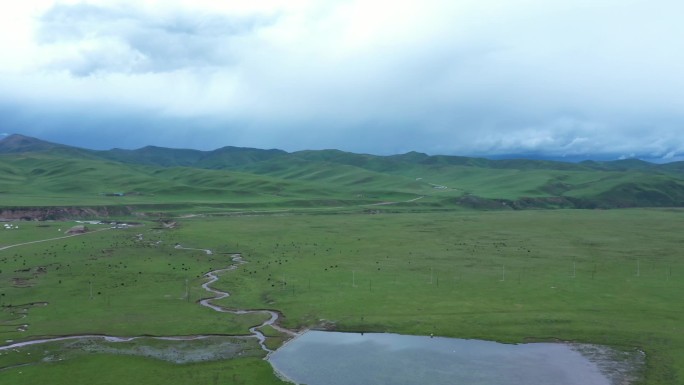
(18, 312)
(21, 282)
(209, 348)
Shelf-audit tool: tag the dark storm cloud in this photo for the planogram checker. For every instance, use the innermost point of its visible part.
(129, 40)
(106, 128)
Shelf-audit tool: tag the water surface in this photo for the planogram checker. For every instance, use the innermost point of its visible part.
(331, 358)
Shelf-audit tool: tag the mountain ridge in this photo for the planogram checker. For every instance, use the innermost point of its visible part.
(17, 143)
(237, 156)
(249, 176)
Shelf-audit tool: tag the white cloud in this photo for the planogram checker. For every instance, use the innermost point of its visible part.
(558, 77)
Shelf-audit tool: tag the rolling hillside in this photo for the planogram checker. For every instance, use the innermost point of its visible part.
(38, 173)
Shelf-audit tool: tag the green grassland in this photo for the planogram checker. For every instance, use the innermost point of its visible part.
(138, 283)
(116, 369)
(409, 243)
(118, 282)
(609, 277)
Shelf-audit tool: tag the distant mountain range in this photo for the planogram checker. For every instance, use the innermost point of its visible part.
(36, 172)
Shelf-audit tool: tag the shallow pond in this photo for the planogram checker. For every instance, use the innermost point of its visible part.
(331, 358)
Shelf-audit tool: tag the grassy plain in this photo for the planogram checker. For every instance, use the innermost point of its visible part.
(611, 277)
(120, 282)
(108, 369)
(123, 282)
(608, 277)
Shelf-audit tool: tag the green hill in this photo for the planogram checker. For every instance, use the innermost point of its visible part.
(38, 173)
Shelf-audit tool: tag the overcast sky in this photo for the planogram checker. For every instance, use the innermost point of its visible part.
(558, 78)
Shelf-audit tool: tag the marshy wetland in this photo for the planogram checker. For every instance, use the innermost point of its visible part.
(589, 278)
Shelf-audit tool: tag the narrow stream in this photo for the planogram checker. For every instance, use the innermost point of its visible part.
(213, 277)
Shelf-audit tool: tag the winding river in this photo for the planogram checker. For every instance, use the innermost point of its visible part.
(273, 315)
(212, 277)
